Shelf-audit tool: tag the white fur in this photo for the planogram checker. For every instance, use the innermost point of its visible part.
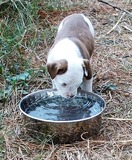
(69, 52)
(75, 70)
(74, 76)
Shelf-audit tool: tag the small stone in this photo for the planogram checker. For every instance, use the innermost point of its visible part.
(126, 94)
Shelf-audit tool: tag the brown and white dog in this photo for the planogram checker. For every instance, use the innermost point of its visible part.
(69, 59)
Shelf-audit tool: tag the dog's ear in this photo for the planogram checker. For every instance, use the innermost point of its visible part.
(57, 67)
(87, 69)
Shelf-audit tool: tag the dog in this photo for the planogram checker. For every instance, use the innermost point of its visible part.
(69, 59)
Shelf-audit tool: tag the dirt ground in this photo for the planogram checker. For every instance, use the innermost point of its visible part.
(112, 68)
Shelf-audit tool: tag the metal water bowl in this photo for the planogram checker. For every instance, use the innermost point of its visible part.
(65, 120)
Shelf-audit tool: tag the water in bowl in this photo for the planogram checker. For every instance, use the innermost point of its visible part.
(57, 108)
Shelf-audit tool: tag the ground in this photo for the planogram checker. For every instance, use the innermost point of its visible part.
(23, 71)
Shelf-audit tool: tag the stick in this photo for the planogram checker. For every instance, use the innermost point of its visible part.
(116, 23)
(130, 30)
(115, 7)
(118, 119)
(120, 142)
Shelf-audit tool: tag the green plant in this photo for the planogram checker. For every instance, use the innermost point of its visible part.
(19, 34)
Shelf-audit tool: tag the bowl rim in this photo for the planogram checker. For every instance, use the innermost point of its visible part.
(67, 121)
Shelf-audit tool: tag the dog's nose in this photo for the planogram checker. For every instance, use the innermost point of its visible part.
(70, 95)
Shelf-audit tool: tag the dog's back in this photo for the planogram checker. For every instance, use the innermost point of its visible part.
(79, 29)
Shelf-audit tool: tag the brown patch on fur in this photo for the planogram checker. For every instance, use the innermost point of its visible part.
(57, 67)
(76, 29)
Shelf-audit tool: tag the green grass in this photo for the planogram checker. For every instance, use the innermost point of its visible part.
(2, 144)
(20, 34)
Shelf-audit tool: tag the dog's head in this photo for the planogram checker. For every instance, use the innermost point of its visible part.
(68, 75)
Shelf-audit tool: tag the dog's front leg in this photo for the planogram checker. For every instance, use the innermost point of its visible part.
(87, 85)
(53, 85)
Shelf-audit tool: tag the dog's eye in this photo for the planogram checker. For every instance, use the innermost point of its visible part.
(64, 84)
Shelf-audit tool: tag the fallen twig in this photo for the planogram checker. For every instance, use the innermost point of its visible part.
(118, 119)
(116, 24)
(120, 142)
(127, 28)
(125, 142)
(115, 7)
(110, 98)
